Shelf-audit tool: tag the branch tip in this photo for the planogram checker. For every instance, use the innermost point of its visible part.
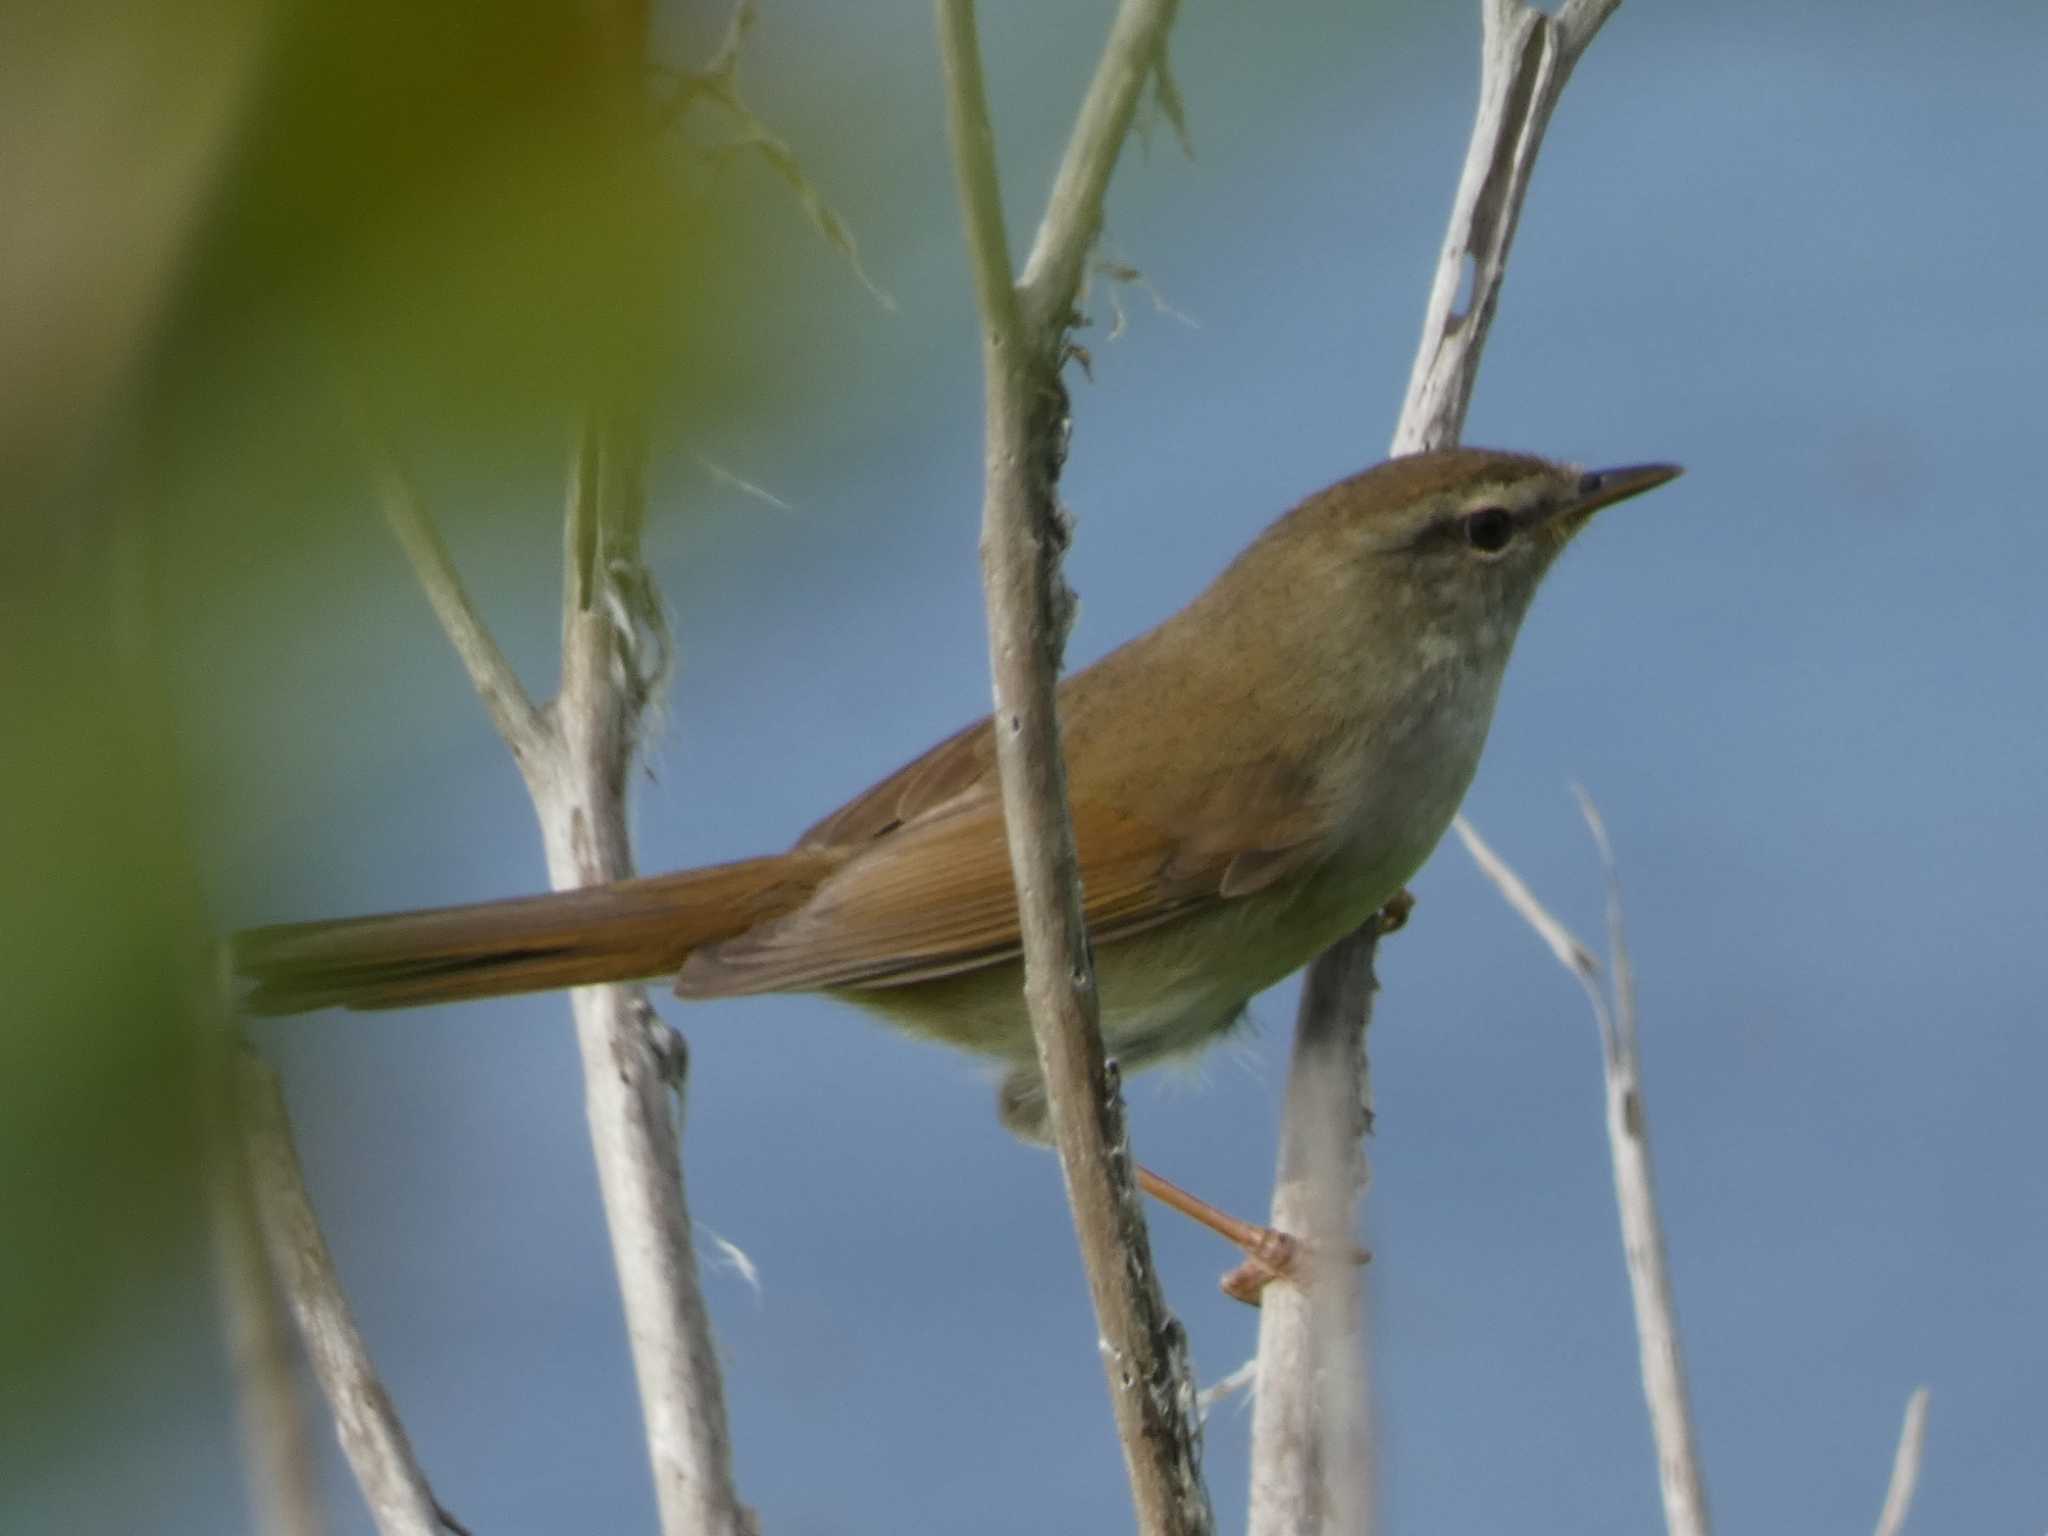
(1905, 1478)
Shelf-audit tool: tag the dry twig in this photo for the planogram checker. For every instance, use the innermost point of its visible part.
(575, 756)
(277, 1448)
(1023, 533)
(1310, 1435)
(1526, 58)
(1662, 1360)
(371, 1436)
(1898, 1494)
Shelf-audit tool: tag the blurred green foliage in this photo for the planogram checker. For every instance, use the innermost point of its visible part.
(106, 987)
(252, 240)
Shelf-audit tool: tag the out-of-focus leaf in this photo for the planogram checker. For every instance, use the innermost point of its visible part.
(104, 956)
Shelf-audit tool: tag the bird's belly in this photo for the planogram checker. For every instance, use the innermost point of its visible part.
(1172, 988)
(1164, 991)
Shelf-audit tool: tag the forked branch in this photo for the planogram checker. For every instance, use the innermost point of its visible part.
(1526, 58)
(1662, 1360)
(1023, 535)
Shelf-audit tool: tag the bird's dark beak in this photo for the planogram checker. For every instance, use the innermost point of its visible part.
(1603, 487)
(1599, 488)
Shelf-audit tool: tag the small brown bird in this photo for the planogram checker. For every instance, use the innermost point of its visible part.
(1250, 781)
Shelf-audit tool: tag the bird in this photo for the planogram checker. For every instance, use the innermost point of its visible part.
(1249, 781)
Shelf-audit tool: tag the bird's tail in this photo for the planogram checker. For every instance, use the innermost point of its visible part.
(629, 931)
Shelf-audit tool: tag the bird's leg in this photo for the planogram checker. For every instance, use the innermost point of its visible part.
(1269, 1254)
(1276, 1250)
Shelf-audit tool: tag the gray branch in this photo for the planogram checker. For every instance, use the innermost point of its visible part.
(576, 756)
(1310, 1435)
(615, 655)
(1898, 1495)
(1526, 59)
(1136, 51)
(511, 711)
(371, 1437)
(1661, 1358)
(1023, 534)
(278, 1457)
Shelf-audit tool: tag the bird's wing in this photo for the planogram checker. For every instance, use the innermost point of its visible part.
(926, 889)
(959, 770)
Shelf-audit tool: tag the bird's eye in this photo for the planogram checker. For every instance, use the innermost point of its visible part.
(1489, 529)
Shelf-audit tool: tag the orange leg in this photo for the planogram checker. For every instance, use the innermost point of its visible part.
(1269, 1255)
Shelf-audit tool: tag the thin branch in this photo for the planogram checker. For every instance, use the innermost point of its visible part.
(1622, 977)
(614, 657)
(1562, 943)
(1898, 1494)
(1560, 940)
(1649, 1266)
(1023, 533)
(279, 1466)
(1576, 22)
(1658, 1341)
(1136, 51)
(1244, 1379)
(980, 187)
(1526, 58)
(1311, 1446)
(511, 711)
(374, 1441)
(278, 1458)
(576, 757)
(1525, 61)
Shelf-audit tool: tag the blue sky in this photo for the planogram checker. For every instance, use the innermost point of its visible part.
(1793, 248)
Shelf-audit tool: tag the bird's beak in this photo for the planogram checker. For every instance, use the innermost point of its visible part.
(1603, 487)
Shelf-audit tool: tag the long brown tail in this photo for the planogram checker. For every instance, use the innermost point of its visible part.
(631, 931)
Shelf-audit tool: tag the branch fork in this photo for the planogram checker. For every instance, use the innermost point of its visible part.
(1024, 533)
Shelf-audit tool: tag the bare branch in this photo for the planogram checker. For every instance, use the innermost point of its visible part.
(1561, 941)
(278, 1454)
(1526, 58)
(1244, 1379)
(576, 758)
(1898, 1494)
(371, 1436)
(512, 712)
(980, 187)
(1623, 977)
(1135, 52)
(1576, 22)
(1525, 61)
(614, 655)
(1023, 534)
(722, 476)
(1311, 1447)
(1658, 1342)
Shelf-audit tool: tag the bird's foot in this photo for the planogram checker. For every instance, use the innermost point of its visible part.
(1278, 1256)
(1269, 1254)
(1393, 917)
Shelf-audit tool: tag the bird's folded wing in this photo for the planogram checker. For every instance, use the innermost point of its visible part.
(936, 899)
(925, 888)
(959, 770)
